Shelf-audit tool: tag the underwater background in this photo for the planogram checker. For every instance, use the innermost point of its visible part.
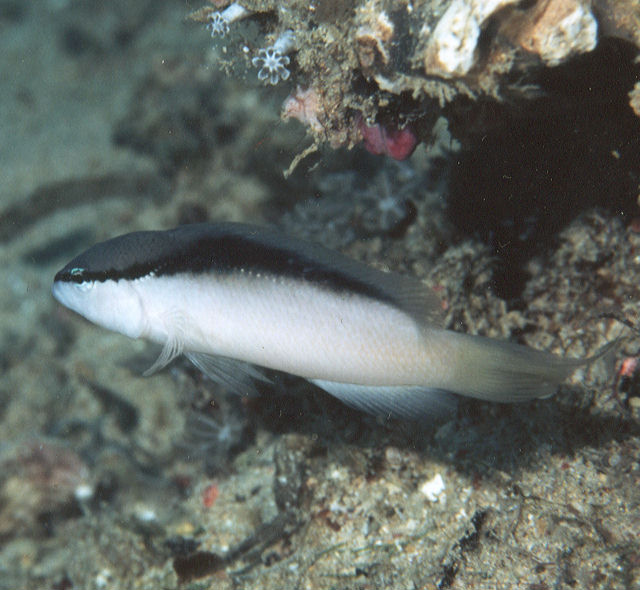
(519, 206)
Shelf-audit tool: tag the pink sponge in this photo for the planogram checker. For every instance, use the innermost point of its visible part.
(388, 140)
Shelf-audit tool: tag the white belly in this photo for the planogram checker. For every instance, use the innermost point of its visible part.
(288, 325)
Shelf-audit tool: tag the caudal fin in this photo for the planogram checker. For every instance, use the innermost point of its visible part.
(500, 371)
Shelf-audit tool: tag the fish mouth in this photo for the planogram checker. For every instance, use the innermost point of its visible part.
(57, 288)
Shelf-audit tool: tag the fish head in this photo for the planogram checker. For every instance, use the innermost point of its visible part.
(114, 305)
(88, 286)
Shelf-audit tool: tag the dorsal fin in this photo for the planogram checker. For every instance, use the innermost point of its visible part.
(415, 298)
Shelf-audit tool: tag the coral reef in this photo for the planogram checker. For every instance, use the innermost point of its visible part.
(398, 63)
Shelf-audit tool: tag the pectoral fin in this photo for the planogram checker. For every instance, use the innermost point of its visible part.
(172, 348)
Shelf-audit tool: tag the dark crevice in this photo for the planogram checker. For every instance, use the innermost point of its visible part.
(527, 171)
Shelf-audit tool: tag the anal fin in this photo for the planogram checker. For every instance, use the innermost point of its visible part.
(404, 402)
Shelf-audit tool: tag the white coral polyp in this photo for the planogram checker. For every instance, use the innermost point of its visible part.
(272, 64)
(218, 25)
(220, 21)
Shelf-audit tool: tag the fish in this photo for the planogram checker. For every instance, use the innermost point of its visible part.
(237, 299)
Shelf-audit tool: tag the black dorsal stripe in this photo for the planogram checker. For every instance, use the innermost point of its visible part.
(223, 248)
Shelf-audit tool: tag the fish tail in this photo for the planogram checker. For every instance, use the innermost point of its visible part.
(500, 371)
